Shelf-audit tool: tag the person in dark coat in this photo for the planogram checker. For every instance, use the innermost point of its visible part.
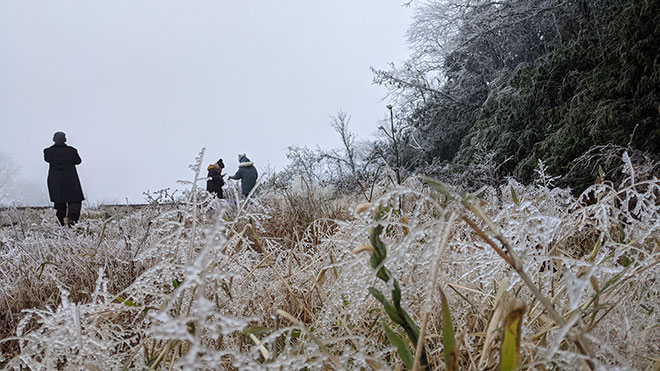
(247, 173)
(215, 182)
(63, 182)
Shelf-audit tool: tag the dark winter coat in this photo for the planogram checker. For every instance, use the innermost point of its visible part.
(215, 182)
(247, 173)
(63, 181)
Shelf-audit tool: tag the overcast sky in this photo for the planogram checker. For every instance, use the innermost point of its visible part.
(139, 87)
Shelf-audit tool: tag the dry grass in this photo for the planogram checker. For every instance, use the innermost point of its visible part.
(274, 284)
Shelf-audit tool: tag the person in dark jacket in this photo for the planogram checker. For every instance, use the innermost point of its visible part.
(247, 173)
(63, 182)
(215, 182)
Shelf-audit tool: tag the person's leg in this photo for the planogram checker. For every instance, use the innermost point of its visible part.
(74, 212)
(61, 211)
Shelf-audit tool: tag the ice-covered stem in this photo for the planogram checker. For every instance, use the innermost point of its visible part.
(193, 201)
(393, 308)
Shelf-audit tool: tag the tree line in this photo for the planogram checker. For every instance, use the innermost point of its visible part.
(492, 87)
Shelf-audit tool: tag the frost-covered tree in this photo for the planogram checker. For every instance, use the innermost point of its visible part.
(462, 53)
(593, 90)
(304, 164)
(501, 76)
(353, 166)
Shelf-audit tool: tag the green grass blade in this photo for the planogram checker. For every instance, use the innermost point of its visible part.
(514, 196)
(389, 307)
(411, 326)
(401, 346)
(448, 338)
(127, 302)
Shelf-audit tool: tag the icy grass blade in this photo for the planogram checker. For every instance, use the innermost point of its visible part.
(262, 349)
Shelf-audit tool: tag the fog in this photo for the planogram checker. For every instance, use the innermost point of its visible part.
(139, 87)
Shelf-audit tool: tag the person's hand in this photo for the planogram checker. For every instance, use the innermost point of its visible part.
(229, 177)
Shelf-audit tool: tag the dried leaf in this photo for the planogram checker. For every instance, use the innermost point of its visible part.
(362, 248)
(362, 207)
(492, 330)
(404, 221)
(511, 343)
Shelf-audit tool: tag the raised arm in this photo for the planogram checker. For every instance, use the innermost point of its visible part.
(238, 175)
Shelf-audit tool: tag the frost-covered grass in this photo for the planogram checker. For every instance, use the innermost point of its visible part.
(273, 283)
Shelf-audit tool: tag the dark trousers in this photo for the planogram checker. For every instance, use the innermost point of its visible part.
(70, 210)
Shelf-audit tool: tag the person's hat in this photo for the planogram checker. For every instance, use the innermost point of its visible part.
(59, 137)
(240, 156)
(220, 163)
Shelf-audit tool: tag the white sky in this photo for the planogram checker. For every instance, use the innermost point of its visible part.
(139, 86)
